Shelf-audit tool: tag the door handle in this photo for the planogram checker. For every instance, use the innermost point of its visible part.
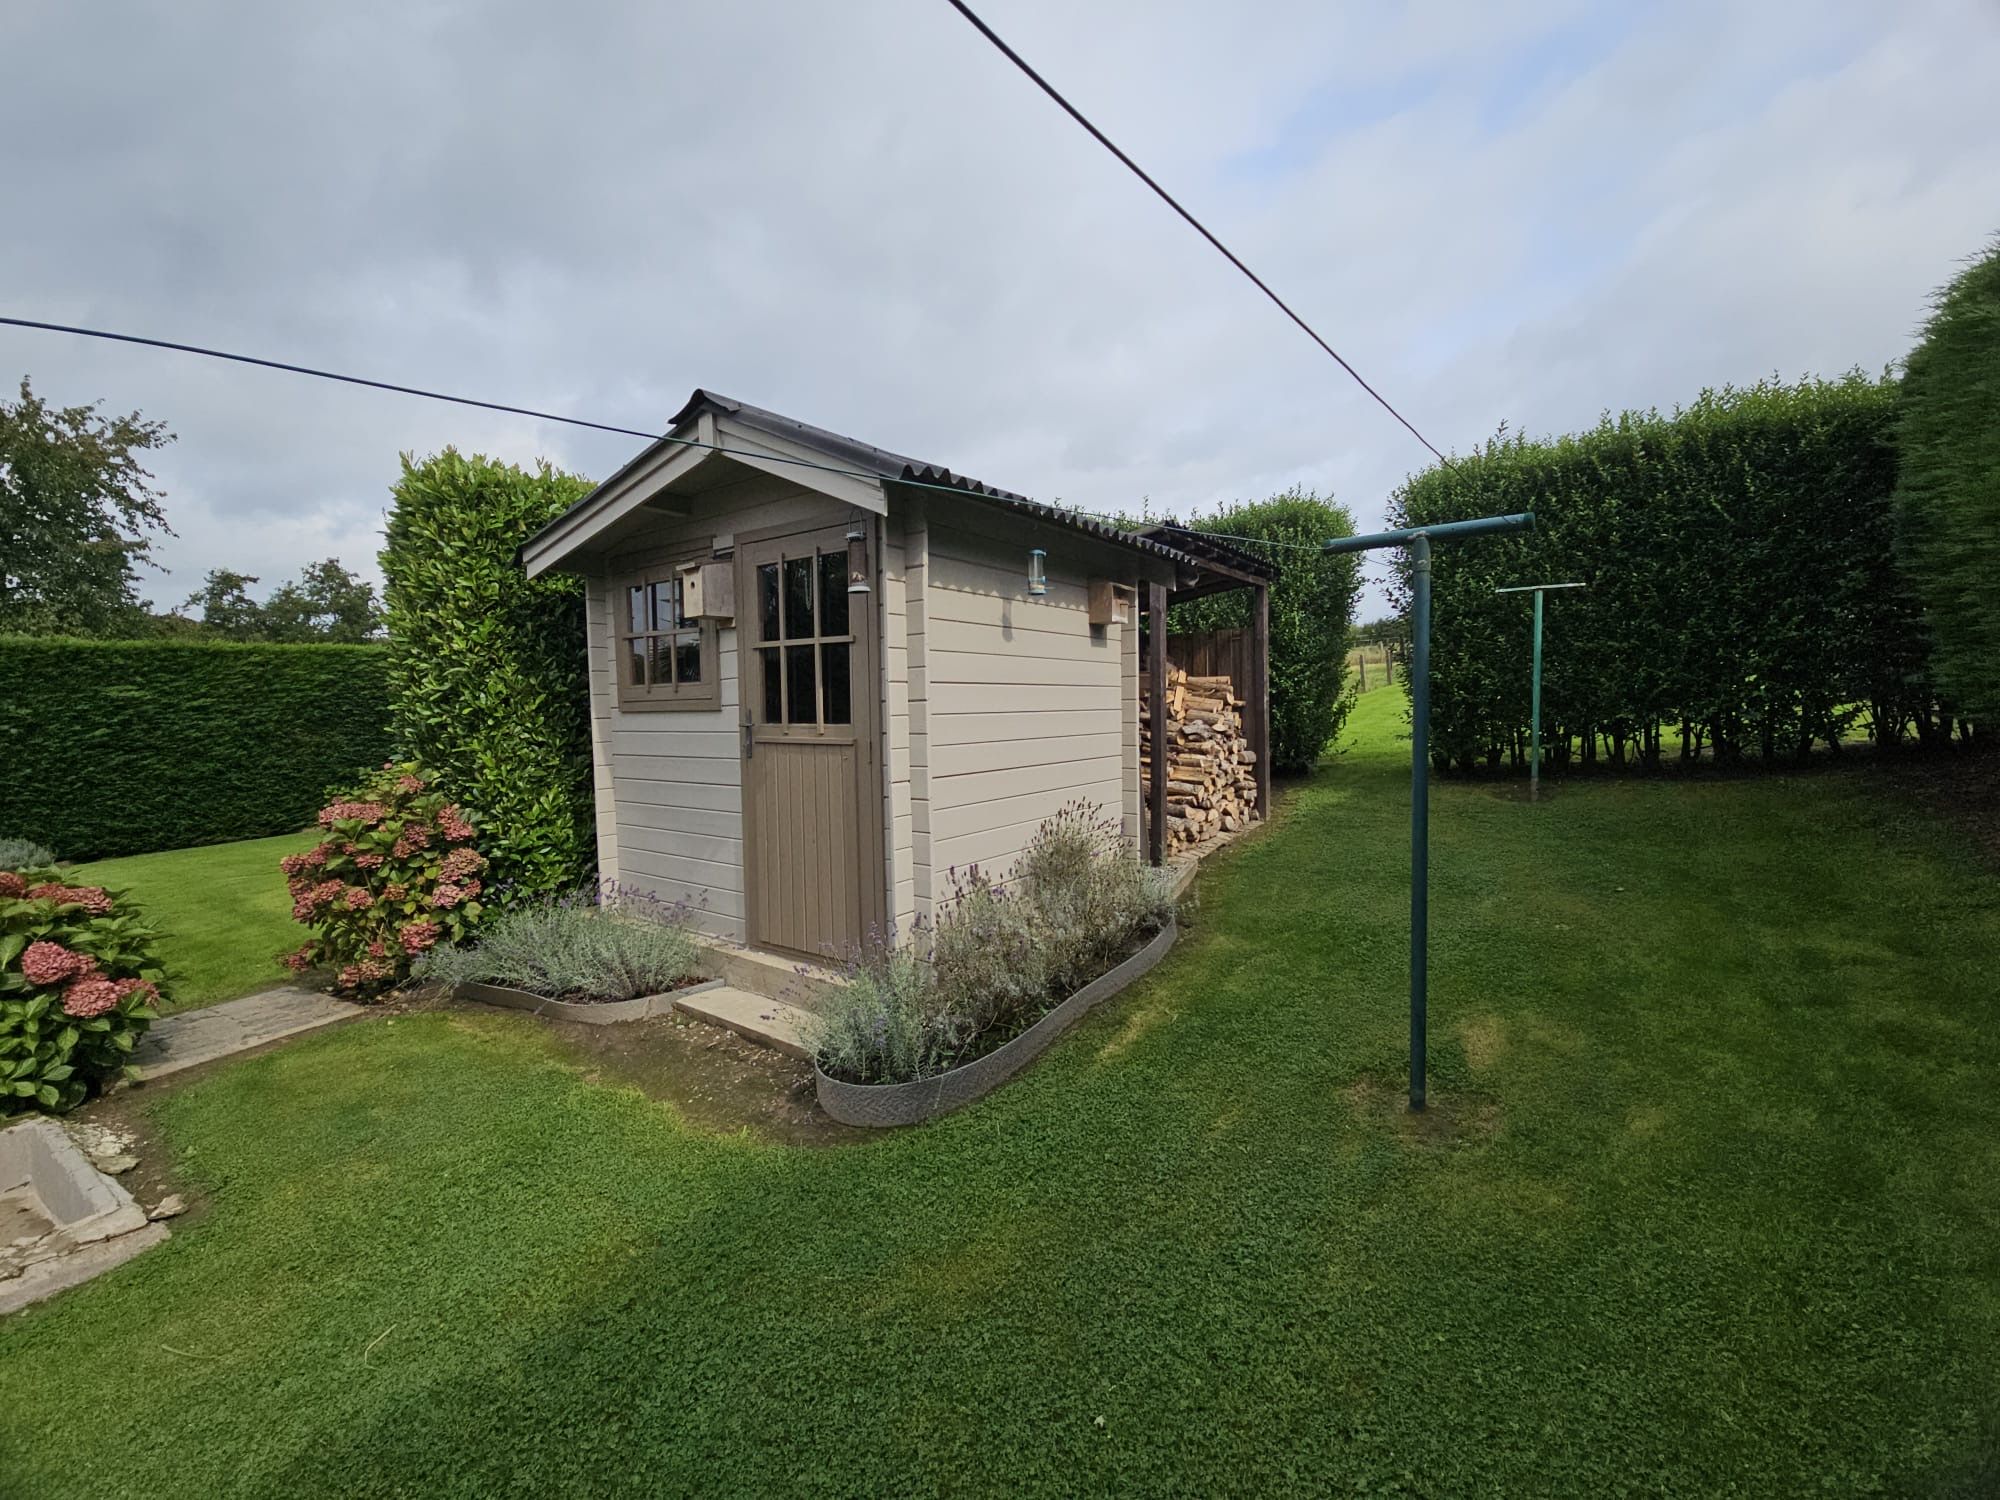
(749, 739)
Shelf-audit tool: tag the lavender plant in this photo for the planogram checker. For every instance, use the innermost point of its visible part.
(604, 944)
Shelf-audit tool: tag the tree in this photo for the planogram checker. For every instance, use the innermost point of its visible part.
(74, 509)
(1312, 608)
(1948, 486)
(328, 603)
(226, 605)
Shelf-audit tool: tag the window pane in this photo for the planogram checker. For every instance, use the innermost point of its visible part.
(833, 677)
(635, 662)
(833, 594)
(687, 657)
(662, 659)
(680, 603)
(767, 601)
(798, 598)
(663, 604)
(774, 686)
(799, 693)
(636, 619)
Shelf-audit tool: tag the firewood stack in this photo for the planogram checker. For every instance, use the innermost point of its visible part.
(1211, 769)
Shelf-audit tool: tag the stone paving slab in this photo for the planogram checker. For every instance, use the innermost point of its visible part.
(198, 1036)
(756, 1018)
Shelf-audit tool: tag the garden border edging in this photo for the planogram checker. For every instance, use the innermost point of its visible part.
(880, 1105)
(602, 1013)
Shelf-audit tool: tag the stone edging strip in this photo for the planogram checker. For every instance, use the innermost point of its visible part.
(601, 1013)
(886, 1104)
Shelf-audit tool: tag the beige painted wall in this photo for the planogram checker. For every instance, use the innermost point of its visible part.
(1029, 706)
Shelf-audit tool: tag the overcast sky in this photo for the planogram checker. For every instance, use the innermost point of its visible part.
(860, 215)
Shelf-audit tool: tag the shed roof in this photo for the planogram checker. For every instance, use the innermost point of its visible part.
(853, 454)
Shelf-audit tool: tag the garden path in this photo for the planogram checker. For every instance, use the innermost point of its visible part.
(198, 1036)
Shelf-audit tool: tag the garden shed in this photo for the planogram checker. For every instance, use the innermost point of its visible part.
(824, 676)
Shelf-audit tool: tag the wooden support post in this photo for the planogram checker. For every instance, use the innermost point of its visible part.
(1260, 694)
(1156, 693)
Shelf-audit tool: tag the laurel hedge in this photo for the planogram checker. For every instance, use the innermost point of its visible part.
(1312, 612)
(488, 684)
(1948, 499)
(124, 747)
(1744, 598)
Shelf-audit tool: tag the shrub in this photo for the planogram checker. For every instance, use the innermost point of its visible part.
(609, 946)
(183, 742)
(1088, 895)
(1948, 490)
(24, 854)
(488, 679)
(996, 961)
(885, 1022)
(1744, 595)
(394, 874)
(1312, 610)
(78, 987)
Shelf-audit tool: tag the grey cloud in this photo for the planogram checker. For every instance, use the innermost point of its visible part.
(859, 214)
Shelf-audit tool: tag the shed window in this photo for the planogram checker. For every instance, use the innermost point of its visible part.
(665, 659)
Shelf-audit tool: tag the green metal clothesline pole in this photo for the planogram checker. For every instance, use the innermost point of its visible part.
(1535, 692)
(1418, 539)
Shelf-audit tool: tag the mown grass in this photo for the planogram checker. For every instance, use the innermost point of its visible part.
(222, 909)
(1710, 1205)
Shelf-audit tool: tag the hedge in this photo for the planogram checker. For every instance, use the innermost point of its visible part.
(1744, 595)
(1948, 497)
(124, 747)
(1312, 612)
(489, 684)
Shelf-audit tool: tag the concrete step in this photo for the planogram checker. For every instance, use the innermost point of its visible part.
(768, 974)
(755, 1017)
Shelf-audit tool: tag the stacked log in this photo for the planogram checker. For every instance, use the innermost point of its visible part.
(1211, 769)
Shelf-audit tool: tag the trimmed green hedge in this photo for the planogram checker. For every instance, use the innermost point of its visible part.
(1312, 613)
(489, 683)
(1744, 596)
(1948, 498)
(124, 747)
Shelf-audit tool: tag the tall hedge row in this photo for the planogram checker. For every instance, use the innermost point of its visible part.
(1744, 594)
(1948, 499)
(1312, 610)
(487, 679)
(124, 747)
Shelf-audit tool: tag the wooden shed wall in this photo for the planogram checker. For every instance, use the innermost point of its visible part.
(1028, 705)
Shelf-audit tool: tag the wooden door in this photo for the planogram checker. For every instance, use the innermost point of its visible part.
(814, 882)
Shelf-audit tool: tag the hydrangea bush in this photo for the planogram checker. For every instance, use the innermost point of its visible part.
(394, 874)
(78, 987)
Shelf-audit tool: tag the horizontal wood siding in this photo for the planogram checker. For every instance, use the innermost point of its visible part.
(1026, 701)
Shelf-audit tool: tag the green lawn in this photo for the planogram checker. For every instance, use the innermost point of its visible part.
(1710, 1204)
(223, 909)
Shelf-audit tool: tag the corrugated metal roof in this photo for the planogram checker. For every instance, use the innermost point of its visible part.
(897, 466)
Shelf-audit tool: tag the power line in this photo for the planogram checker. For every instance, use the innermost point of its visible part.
(1200, 228)
(549, 416)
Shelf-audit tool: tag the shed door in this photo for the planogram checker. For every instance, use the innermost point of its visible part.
(812, 801)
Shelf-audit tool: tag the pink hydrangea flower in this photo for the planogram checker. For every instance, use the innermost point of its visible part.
(413, 838)
(409, 784)
(145, 989)
(356, 898)
(299, 959)
(335, 812)
(446, 896)
(460, 863)
(369, 861)
(91, 898)
(88, 997)
(452, 824)
(395, 890)
(45, 962)
(418, 935)
(12, 884)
